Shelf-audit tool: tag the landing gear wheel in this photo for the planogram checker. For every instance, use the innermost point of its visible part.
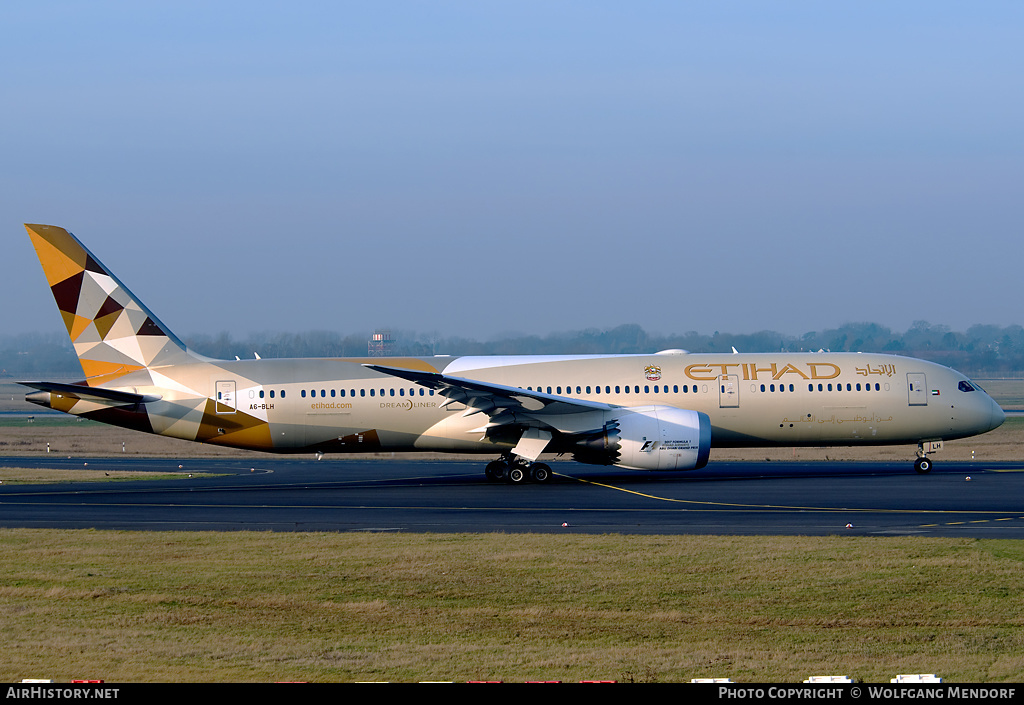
(923, 466)
(495, 470)
(516, 475)
(539, 472)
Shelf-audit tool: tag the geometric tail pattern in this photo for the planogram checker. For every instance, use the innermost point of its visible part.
(120, 343)
(113, 333)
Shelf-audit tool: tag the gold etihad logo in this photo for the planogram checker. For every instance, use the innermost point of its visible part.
(705, 372)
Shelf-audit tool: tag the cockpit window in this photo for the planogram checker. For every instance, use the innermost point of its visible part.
(965, 386)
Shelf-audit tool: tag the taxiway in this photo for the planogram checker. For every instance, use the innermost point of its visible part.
(291, 494)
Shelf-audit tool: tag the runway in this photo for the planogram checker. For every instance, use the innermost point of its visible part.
(289, 494)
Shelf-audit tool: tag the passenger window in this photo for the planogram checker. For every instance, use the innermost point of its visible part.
(303, 394)
(271, 393)
(647, 390)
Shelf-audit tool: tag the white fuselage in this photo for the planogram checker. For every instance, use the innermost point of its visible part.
(788, 399)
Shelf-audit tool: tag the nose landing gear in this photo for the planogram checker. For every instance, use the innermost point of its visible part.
(923, 465)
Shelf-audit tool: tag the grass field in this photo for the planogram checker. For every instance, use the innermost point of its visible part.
(128, 606)
(49, 476)
(1008, 392)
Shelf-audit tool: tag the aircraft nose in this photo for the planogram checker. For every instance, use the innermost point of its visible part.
(998, 415)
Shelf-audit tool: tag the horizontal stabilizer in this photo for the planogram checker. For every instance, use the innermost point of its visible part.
(79, 391)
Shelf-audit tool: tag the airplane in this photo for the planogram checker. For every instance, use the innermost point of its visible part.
(660, 411)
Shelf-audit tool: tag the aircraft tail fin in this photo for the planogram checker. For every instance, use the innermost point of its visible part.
(113, 333)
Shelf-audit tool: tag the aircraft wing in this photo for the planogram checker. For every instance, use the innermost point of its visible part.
(81, 391)
(494, 399)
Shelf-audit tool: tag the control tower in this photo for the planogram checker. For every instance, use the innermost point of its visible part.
(380, 345)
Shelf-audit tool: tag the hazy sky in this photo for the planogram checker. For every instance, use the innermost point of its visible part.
(473, 168)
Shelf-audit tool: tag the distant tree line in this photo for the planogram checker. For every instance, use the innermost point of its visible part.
(35, 355)
(980, 351)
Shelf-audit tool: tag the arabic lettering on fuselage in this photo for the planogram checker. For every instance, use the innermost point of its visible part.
(887, 370)
(874, 418)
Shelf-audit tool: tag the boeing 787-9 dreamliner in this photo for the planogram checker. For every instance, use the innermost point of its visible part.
(662, 411)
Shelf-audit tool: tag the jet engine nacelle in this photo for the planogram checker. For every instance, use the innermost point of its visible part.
(650, 438)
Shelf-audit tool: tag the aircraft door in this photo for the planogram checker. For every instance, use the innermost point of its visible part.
(225, 400)
(917, 389)
(728, 391)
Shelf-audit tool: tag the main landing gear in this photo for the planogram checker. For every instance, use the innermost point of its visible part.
(516, 471)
